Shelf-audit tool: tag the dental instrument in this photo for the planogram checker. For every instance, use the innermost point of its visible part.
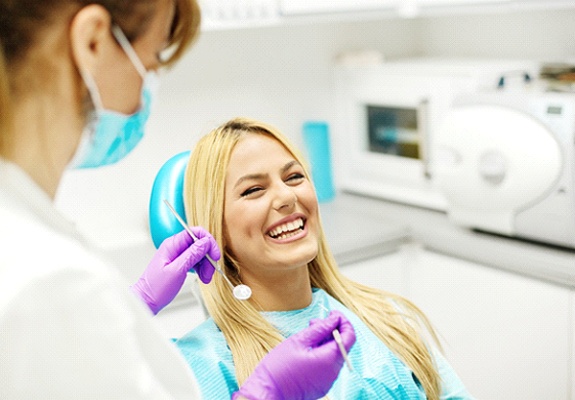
(337, 337)
(241, 292)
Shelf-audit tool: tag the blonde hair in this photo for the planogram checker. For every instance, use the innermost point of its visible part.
(394, 319)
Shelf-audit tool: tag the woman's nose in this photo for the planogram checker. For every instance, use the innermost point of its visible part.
(285, 197)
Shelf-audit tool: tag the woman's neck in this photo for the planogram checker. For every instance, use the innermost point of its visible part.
(285, 292)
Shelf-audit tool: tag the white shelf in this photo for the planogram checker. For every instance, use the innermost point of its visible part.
(241, 14)
(299, 7)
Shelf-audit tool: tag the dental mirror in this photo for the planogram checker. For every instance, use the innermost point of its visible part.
(241, 292)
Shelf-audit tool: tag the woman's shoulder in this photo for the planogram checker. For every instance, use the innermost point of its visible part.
(204, 331)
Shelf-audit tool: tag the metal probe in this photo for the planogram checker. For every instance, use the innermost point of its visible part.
(337, 337)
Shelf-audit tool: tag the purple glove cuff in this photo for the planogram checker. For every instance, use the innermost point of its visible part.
(141, 293)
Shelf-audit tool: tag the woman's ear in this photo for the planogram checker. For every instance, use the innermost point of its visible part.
(90, 36)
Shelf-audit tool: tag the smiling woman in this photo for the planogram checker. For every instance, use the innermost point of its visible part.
(270, 219)
(251, 189)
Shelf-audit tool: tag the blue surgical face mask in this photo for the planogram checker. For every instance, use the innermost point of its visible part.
(110, 135)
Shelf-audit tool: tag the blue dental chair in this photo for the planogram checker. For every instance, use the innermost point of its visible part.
(169, 185)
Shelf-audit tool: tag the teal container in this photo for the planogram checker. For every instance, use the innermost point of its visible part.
(317, 144)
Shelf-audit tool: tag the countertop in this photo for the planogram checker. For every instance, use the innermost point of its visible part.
(400, 222)
(356, 229)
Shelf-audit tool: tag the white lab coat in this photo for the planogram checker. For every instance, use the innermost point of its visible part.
(69, 326)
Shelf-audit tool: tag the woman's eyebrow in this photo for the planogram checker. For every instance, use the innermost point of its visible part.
(289, 165)
(249, 177)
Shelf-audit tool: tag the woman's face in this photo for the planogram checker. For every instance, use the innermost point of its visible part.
(270, 211)
(117, 71)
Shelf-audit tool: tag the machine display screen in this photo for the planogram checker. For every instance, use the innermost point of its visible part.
(555, 110)
(393, 131)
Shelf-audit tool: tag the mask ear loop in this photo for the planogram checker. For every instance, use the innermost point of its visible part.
(92, 88)
(129, 50)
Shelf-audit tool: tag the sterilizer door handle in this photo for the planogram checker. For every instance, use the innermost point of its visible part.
(423, 127)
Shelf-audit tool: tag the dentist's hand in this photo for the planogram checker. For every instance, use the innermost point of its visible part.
(304, 366)
(166, 273)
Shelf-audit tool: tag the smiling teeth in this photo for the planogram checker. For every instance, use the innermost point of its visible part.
(286, 230)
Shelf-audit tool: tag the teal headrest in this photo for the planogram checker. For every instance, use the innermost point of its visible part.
(168, 185)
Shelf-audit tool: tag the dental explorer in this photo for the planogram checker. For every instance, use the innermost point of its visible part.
(337, 338)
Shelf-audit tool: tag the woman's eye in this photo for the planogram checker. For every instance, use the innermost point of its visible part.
(250, 191)
(295, 177)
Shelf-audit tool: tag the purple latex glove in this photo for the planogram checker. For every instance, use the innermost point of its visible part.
(304, 366)
(166, 273)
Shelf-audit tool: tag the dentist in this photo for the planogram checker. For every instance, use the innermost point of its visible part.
(76, 84)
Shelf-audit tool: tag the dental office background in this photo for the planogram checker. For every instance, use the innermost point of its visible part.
(509, 335)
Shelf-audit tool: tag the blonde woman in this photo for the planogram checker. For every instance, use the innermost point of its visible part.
(249, 187)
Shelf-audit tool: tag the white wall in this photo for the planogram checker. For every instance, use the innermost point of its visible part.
(282, 75)
(534, 34)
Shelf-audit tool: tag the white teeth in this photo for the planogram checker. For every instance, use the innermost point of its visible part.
(286, 235)
(285, 230)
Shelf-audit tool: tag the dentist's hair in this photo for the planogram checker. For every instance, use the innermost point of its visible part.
(394, 319)
(24, 24)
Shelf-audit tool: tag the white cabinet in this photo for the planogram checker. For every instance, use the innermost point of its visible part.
(507, 336)
(231, 14)
(400, 7)
(296, 7)
(226, 14)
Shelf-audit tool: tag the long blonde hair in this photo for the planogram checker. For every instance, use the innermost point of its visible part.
(394, 319)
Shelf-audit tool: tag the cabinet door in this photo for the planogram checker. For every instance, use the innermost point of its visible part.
(506, 335)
